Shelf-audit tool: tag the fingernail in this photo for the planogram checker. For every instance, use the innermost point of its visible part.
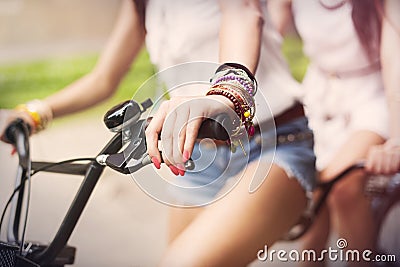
(156, 163)
(174, 169)
(181, 169)
(186, 155)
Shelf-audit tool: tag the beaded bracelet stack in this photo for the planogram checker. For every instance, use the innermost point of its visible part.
(40, 113)
(237, 83)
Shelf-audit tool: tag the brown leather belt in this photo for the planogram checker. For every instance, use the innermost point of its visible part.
(295, 112)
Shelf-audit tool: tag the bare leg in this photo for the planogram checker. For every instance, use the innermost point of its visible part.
(179, 219)
(350, 211)
(352, 215)
(232, 231)
(317, 236)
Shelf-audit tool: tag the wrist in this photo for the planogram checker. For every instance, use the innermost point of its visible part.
(223, 100)
(236, 84)
(393, 142)
(39, 113)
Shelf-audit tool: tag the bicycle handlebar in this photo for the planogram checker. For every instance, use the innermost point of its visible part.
(128, 113)
(135, 156)
(119, 118)
(125, 118)
(216, 128)
(17, 133)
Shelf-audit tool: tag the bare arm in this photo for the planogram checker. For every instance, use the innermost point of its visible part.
(280, 12)
(240, 32)
(386, 158)
(240, 42)
(124, 44)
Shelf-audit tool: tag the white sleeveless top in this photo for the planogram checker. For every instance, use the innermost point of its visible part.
(329, 36)
(180, 31)
(337, 107)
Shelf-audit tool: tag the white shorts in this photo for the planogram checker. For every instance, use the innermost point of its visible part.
(337, 108)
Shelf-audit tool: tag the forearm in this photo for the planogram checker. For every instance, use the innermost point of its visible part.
(240, 32)
(124, 44)
(82, 94)
(390, 53)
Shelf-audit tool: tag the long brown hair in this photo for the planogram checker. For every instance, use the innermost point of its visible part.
(367, 19)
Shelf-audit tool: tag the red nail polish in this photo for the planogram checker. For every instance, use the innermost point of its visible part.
(174, 169)
(181, 169)
(186, 155)
(156, 163)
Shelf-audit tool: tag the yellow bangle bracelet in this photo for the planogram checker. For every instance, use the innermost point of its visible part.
(39, 111)
(35, 116)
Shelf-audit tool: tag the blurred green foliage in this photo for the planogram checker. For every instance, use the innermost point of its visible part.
(21, 82)
(25, 81)
(292, 48)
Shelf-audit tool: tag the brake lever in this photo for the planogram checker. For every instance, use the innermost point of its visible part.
(134, 156)
(130, 159)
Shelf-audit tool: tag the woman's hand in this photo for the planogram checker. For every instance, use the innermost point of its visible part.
(178, 121)
(384, 159)
(7, 116)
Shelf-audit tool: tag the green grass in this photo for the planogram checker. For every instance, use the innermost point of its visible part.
(25, 81)
(293, 50)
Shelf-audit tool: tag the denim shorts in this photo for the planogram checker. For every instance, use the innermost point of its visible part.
(217, 167)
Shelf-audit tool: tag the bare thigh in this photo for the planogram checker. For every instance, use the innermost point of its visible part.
(179, 219)
(232, 230)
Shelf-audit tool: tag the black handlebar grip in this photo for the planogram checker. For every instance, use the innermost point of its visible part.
(13, 129)
(217, 128)
(17, 133)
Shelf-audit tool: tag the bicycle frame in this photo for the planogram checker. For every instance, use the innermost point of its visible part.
(92, 173)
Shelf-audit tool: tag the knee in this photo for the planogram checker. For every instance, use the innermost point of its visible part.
(346, 193)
